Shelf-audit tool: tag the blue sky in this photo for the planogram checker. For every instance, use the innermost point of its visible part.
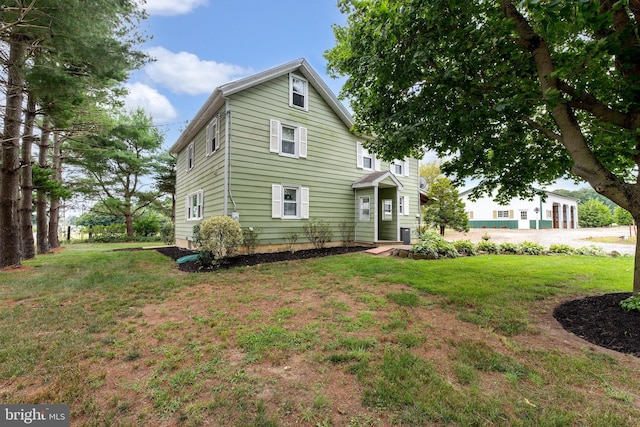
(201, 44)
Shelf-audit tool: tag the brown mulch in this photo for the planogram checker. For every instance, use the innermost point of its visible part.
(597, 319)
(255, 259)
(601, 321)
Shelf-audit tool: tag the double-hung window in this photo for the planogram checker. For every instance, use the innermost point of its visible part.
(366, 160)
(298, 92)
(193, 206)
(191, 156)
(288, 140)
(212, 136)
(399, 167)
(289, 201)
(403, 205)
(365, 208)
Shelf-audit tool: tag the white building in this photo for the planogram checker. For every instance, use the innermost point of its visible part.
(555, 211)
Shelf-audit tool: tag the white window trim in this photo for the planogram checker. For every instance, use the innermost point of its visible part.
(403, 205)
(503, 214)
(306, 92)
(387, 210)
(404, 164)
(189, 214)
(275, 139)
(191, 156)
(363, 217)
(277, 201)
(361, 153)
(213, 124)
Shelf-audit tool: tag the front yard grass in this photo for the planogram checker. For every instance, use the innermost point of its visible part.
(127, 339)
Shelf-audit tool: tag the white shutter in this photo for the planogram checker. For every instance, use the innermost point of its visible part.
(304, 202)
(208, 139)
(274, 144)
(406, 205)
(359, 155)
(276, 201)
(200, 204)
(377, 162)
(406, 167)
(302, 137)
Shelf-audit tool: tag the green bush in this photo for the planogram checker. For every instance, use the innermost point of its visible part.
(487, 246)
(530, 248)
(622, 216)
(217, 237)
(250, 239)
(106, 233)
(631, 304)
(147, 224)
(590, 251)
(318, 232)
(465, 247)
(561, 249)
(508, 248)
(432, 244)
(167, 232)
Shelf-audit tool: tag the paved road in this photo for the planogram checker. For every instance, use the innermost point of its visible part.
(575, 238)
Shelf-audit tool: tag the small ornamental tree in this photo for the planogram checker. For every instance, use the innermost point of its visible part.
(594, 213)
(218, 237)
(445, 209)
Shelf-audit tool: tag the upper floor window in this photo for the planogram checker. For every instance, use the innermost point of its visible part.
(288, 140)
(212, 136)
(399, 167)
(298, 90)
(366, 160)
(191, 156)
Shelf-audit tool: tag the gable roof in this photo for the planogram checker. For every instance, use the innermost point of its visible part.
(217, 99)
(374, 179)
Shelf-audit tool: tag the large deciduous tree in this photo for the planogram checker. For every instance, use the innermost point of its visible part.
(511, 92)
(116, 162)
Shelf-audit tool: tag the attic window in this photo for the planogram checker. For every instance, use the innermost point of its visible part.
(298, 92)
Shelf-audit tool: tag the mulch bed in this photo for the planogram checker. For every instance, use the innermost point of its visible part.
(255, 259)
(601, 321)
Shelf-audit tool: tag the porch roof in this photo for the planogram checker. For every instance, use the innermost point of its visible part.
(383, 179)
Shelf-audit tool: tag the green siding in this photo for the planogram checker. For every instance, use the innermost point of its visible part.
(365, 230)
(494, 224)
(328, 171)
(207, 175)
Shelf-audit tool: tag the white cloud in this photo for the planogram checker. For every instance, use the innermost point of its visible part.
(151, 101)
(184, 72)
(170, 7)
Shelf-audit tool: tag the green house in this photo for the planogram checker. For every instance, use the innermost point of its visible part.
(274, 151)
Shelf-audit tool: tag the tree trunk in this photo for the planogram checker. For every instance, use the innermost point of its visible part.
(128, 219)
(41, 202)
(442, 227)
(54, 209)
(9, 178)
(26, 205)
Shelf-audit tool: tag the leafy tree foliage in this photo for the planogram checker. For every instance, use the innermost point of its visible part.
(511, 93)
(445, 209)
(622, 216)
(115, 162)
(594, 213)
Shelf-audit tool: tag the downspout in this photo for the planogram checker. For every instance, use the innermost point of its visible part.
(227, 163)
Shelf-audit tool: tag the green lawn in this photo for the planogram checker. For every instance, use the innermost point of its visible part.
(127, 339)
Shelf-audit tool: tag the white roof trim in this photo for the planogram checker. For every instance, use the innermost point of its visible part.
(221, 93)
(364, 183)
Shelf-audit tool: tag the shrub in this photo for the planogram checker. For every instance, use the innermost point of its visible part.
(487, 246)
(250, 239)
(508, 248)
(318, 232)
(590, 251)
(631, 304)
(291, 241)
(347, 229)
(148, 224)
(621, 216)
(530, 248)
(217, 237)
(561, 249)
(465, 247)
(106, 233)
(432, 244)
(167, 232)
